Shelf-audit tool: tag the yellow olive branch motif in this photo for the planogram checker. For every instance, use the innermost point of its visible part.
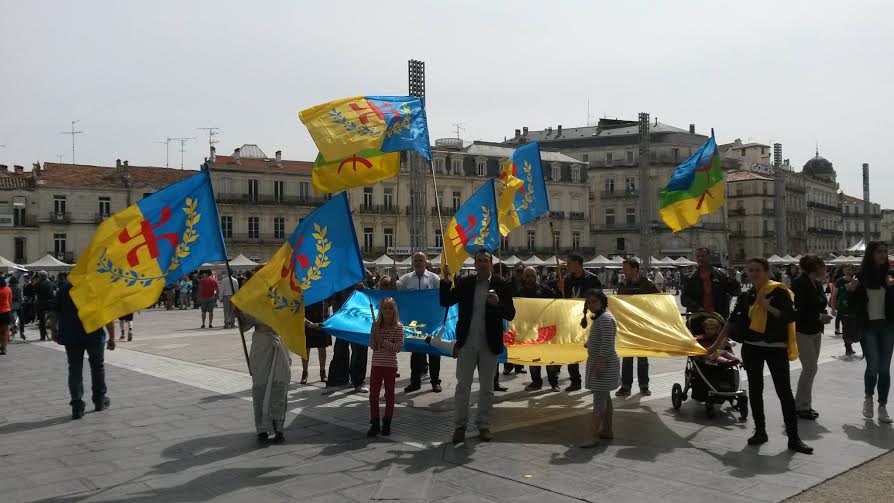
(485, 226)
(315, 272)
(189, 236)
(529, 187)
(404, 124)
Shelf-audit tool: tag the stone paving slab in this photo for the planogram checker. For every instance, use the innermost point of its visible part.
(182, 431)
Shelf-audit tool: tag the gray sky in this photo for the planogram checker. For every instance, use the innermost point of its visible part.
(137, 72)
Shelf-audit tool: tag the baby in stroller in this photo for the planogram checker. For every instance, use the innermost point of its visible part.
(711, 325)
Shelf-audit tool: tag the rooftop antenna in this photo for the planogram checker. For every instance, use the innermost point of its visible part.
(167, 143)
(458, 126)
(212, 132)
(73, 133)
(589, 117)
(60, 156)
(182, 147)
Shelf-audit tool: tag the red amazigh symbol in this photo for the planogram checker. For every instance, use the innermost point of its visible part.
(705, 169)
(544, 334)
(503, 176)
(150, 240)
(354, 160)
(290, 269)
(464, 235)
(375, 110)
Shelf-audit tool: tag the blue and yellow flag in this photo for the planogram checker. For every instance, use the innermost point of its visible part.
(342, 128)
(472, 228)
(140, 249)
(420, 312)
(523, 197)
(321, 257)
(363, 168)
(695, 188)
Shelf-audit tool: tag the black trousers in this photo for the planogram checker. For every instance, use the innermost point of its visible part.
(642, 372)
(75, 353)
(552, 375)
(574, 373)
(358, 364)
(753, 358)
(418, 363)
(348, 364)
(41, 315)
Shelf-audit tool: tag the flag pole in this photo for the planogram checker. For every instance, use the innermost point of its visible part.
(396, 229)
(207, 169)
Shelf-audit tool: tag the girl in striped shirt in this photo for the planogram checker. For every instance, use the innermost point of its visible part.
(386, 340)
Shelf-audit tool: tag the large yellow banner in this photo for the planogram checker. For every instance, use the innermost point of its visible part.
(548, 331)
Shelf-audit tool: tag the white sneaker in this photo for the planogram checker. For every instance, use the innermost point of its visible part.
(883, 416)
(867, 408)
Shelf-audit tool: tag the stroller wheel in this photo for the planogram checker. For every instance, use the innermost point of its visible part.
(710, 411)
(677, 396)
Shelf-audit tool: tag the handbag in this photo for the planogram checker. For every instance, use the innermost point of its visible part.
(854, 326)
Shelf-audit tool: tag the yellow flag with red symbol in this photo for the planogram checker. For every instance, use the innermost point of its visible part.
(366, 167)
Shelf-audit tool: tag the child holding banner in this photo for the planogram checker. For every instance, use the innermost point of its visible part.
(386, 340)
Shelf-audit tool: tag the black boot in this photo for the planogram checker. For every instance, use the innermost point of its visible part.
(373, 428)
(759, 437)
(795, 444)
(386, 427)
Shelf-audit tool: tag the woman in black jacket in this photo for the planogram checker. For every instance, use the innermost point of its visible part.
(761, 320)
(871, 307)
(810, 319)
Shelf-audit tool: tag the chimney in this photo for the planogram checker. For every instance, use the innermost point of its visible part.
(35, 169)
(692, 129)
(549, 130)
(517, 133)
(118, 164)
(656, 121)
(560, 131)
(19, 170)
(278, 156)
(236, 153)
(4, 167)
(525, 130)
(213, 157)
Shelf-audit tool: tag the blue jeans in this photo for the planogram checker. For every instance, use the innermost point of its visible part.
(878, 344)
(75, 353)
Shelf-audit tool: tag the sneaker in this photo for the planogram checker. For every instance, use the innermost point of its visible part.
(573, 387)
(361, 389)
(645, 392)
(412, 387)
(759, 437)
(436, 388)
(497, 387)
(883, 416)
(867, 408)
(459, 435)
(623, 392)
(555, 389)
(533, 387)
(485, 435)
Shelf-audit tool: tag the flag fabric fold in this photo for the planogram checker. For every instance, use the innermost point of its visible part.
(473, 227)
(320, 257)
(695, 188)
(366, 167)
(137, 251)
(522, 189)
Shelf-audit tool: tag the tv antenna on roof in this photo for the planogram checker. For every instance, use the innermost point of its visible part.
(212, 132)
(73, 133)
(458, 126)
(60, 156)
(182, 147)
(167, 144)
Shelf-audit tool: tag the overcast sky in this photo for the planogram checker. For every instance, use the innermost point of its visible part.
(137, 72)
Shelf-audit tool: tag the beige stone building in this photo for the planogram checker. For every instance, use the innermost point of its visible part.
(610, 150)
(853, 222)
(751, 210)
(886, 226)
(55, 208)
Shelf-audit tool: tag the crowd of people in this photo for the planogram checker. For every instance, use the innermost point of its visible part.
(772, 320)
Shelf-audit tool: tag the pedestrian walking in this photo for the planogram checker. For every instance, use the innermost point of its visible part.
(484, 302)
(841, 311)
(386, 340)
(185, 292)
(126, 322)
(603, 365)
(228, 287)
(872, 313)
(68, 331)
(17, 323)
(209, 290)
(810, 319)
(45, 293)
(5, 314)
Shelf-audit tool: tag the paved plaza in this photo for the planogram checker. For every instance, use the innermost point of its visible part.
(180, 429)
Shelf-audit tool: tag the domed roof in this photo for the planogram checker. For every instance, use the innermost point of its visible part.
(819, 167)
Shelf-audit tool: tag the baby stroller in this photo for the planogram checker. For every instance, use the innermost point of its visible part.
(713, 381)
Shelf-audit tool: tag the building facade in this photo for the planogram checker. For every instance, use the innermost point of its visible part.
(610, 151)
(751, 209)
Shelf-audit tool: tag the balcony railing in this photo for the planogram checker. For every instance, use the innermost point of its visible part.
(823, 231)
(577, 215)
(99, 217)
(618, 226)
(559, 215)
(445, 212)
(609, 194)
(261, 239)
(28, 221)
(822, 206)
(378, 209)
(737, 212)
(271, 200)
(60, 218)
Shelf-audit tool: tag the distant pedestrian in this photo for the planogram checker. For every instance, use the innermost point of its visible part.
(45, 293)
(67, 330)
(228, 287)
(18, 321)
(126, 321)
(209, 289)
(185, 292)
(634, 284)
(5, 314)
(386, 340)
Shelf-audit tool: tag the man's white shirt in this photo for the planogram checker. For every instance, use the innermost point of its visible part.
(413, 281)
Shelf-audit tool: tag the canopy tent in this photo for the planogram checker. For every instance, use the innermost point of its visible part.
(797, 258)
(535, 261)
(684, 262)
(776, 260)
(469, 262)
(9, 266)
(383, 261)
(511, 261)
(598, 261)
(844, 260)
(668, 261)
(407, 262)
(436, 261)
(240, 262)
(789, 259)
(551, 262)
(48, 263)
(859, 247)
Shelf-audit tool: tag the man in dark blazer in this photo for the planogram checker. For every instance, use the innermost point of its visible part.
(484, 300)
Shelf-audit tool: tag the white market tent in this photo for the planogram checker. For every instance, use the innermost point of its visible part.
(859, 247)
(7, 265)
(551, 262)
(776, 260)
(668, 261)
(511, 261)
(48, 263)
(535, 261)
(843, 260)
(383, 261)
(469, 262)
(789, 259)
(684, 262)
(240, 262)
(407, 262)
(598, 261)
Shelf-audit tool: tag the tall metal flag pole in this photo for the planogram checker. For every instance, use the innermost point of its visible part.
(646, 193)
(207, 169)
(867, 207)
(559, 276)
